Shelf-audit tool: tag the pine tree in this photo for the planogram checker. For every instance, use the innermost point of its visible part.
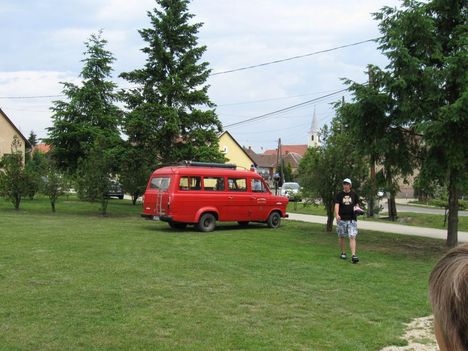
(32, 138)
(89, 112)
(427, 47)
(171, 117)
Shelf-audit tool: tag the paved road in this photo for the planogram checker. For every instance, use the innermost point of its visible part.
(386, 227)
(417, 209)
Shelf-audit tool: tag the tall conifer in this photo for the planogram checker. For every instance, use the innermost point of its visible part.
(170, 116)
(89, 111)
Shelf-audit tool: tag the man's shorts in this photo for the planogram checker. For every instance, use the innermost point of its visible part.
(346, 228)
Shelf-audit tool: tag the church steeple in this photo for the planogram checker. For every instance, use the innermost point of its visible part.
(314, 133)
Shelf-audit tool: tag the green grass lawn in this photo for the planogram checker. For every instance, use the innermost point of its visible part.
(426, 220)
(74, 280)
(406, 218)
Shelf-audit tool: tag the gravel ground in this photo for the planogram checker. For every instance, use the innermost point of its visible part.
(420, 336)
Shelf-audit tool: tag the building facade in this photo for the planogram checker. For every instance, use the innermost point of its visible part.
(11, 139)
(233, 152)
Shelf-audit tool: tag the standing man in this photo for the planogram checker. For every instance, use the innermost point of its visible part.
(346, 224)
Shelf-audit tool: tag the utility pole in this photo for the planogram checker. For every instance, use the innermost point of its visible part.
(370, 210)
(277, 177)
(280, 152)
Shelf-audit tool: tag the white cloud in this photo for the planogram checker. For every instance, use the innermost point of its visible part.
(237, 33)
(123, 10)
(7, 7)
(74, 35)
(31, 114)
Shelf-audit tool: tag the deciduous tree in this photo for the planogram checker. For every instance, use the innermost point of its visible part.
(54, 183)
(322, 169)
(13, 178)
(94, 173)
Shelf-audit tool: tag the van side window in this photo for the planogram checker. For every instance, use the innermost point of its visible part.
(213, 183)
(257, 186)
(161, 183)
(190, 183)
(237, 184)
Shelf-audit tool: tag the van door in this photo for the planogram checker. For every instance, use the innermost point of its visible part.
(259, 207)
(215, 195)
(156, 196)
(189, 198)
(238, 200)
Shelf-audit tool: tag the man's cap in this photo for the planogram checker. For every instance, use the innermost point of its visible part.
(347, 180)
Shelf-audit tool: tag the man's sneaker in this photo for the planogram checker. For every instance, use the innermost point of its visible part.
(354, 259)
(343, 256)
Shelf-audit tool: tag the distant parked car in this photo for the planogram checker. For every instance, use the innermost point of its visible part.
(291, 190)
(116, 190)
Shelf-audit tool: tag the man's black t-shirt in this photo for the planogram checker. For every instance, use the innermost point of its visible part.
(347, 202)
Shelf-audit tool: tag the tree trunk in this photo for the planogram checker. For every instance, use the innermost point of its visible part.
(17, 202)
(371, 204)
(104, 203)
(330, 216)
(52, 204)
(392, 209)
(452, 229)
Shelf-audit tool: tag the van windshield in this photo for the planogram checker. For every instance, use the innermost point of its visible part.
(160, 183)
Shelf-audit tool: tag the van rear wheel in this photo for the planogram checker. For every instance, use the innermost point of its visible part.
(207, 222)
(274, 220)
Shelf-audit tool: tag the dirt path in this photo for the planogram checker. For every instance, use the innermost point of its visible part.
(420, 336)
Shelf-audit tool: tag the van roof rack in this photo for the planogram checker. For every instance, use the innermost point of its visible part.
(208, 164)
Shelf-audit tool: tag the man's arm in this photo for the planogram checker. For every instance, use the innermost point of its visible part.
(337, 212)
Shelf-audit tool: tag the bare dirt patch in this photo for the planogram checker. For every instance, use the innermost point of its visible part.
(420, 336)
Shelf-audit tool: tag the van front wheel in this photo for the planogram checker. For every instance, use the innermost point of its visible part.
(207, 222)
(274, 220)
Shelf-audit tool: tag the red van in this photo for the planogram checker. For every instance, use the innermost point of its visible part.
(203, 193)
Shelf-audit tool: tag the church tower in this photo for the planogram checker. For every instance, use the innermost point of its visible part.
(314, 133)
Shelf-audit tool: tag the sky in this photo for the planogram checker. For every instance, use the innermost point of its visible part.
(43, 45)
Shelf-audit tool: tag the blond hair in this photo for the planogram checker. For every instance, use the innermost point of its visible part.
(448, 293)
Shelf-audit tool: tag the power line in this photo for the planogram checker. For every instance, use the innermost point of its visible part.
(224, 72)
(31, 97)
(285, 109)
(271, 99)
(292, 58)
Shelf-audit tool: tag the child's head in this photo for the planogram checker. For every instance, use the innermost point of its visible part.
(448, 293)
